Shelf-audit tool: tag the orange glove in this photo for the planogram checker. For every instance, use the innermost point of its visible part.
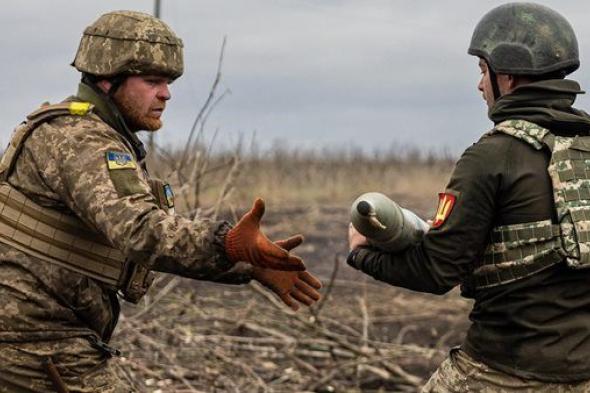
(245, 242)
(290, 286)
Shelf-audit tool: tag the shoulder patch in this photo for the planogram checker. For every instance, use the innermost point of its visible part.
(446, 202)
(169, 194)
(80, 108)
(120, 160)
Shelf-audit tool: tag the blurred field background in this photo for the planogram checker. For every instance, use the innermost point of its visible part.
(364, 336)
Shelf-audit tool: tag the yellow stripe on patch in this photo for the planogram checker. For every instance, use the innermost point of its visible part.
(79, 108)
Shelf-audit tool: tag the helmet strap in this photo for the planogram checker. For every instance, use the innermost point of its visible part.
(494, 82)
(116, 82)
(89, 79)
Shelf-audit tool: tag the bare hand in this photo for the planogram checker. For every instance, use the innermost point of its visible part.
(355, 239)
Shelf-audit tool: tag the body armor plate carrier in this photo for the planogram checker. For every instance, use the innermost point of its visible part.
(518, 251)
(62, 238)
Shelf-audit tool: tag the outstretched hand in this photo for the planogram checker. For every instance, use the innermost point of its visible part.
(290, 287)
(245, 242)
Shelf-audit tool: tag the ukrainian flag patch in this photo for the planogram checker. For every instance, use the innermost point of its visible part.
(120, 160)
(169, 196)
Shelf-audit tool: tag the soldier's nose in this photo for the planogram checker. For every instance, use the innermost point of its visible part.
(164, 93)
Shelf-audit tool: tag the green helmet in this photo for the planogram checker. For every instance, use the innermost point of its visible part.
(127, 43)
(525, 39)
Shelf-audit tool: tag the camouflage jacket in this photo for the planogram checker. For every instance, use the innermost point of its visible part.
(63, 166)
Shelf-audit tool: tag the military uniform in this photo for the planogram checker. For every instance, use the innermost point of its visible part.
(461, 373)
(82, 223)
(64, 165)
(526, 324)
(532, 326)
(513, 226)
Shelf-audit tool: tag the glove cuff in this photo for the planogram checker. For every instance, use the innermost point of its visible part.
(219, 240)
(240, 273)
(234, 249)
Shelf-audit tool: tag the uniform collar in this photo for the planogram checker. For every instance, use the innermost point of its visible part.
(547, 103)
(108, 112)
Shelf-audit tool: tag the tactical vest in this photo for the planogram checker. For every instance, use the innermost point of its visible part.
(518, 251)
(62, 238)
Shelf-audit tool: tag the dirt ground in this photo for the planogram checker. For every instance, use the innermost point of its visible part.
(364, 336)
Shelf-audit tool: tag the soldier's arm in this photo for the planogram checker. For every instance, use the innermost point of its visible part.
(445, 256)
(117, 201)
(240, 273)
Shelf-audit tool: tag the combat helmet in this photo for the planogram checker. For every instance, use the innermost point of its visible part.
(525, 39)
(129, 43)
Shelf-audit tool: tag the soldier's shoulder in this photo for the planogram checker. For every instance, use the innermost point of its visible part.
(494, 153)
(508, 144)
(73, 132)
(74, 126)
(72, 123)
(491, 144)
(495, 139)
(486, 156)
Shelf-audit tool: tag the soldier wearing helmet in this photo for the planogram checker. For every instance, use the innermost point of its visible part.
(512, 229)
(81, 221)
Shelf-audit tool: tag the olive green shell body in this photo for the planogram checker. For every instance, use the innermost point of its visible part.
(385, 224)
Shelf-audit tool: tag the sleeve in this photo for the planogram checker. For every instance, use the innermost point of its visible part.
(445, 256)
(93, 171)
(240, 273)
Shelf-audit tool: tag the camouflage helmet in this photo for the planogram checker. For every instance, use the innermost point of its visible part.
(525, 39)
(129, 42)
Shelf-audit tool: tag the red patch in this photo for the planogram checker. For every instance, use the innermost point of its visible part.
(446, 202)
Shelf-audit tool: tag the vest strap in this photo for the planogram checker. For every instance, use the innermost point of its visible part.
(518, 251)
(34, 120)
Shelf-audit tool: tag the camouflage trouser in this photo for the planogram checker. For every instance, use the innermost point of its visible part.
(82, 368)
(460, 373)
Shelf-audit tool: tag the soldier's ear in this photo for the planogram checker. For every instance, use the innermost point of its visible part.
(507, 83)
(104, 85)
(514, 81)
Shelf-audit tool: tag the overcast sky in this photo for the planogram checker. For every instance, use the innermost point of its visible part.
(303, 73)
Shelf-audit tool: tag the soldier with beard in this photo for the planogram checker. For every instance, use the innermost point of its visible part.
(81, 221)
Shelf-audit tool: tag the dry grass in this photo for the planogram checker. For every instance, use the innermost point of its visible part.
(287, 178)
(299, 179)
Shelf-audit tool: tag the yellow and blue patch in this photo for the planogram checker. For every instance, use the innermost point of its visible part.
(169, 196)
(120, 160)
